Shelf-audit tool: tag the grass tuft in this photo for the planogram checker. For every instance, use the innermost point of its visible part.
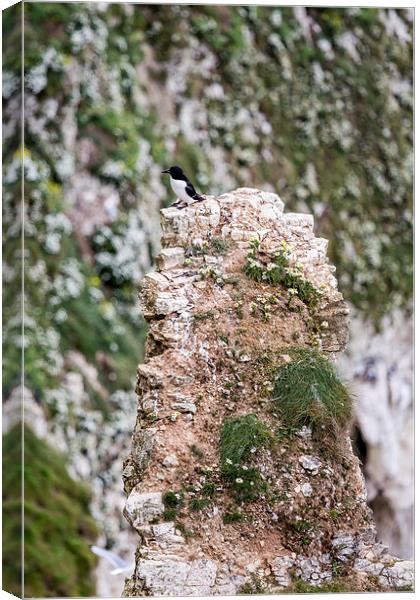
(203, 316)
(220, 245)
(197, 504)
(173, 499)
(240, 438)
(233, 517)
(308, 391)
(301, 587)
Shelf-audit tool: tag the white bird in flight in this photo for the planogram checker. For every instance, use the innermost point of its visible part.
(120, 565)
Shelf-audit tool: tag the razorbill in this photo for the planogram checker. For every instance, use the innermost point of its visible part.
(182, 187)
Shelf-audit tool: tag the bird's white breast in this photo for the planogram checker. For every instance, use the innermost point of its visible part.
(178, 187)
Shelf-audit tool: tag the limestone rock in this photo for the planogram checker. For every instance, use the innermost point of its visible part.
(170, 461)
(281, 567)
(344, 545)
(400, 575)
(170, 257)
(307, 489)
(310, 463)
(216, 337)
(314, 570)
(142, 508)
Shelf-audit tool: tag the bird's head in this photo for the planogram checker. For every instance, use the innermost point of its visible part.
(175, 172)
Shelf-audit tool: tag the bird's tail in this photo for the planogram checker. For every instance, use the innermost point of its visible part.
(199, 198)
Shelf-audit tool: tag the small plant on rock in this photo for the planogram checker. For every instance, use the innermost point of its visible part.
(276, 269)
(203, 316)
(173, 499)
(219, 245)
(308, 391)
(173, 502)
(241, 437)
(233, 517)
(197, 504)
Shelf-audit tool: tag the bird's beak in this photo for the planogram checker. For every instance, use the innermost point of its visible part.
(165, 171)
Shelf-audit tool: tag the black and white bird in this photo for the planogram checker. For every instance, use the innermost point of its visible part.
(182, 187)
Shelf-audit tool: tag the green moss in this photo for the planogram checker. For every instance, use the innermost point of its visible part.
(173, 502)
(246, 588)
(170, 514)
(276, 269)
(334, 514)
(203, 316)
(173, 499)
(233, 517)
(307, 391)
(197, 504)
(58, 527)
(301, 587)
(240, 438)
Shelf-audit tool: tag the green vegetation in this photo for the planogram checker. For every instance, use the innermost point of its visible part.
(173, 502)
(307, 391)
(406, 588)
(240, 438)
(209, 489)
(335, 586)
(303, 529)
(58, 527)
(187, 533)
(233, 517)
(255, 586)
(173, 499)
(335, 514)
(197, 504)
(203, 316)
(216, 246)
(276, 269)
(302, 526)
(219, 245)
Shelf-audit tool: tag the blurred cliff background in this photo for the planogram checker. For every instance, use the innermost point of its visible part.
(314, 104)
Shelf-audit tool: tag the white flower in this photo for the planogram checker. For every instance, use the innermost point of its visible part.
(239, 480)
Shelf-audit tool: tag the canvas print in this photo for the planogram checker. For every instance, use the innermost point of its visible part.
(207, 299)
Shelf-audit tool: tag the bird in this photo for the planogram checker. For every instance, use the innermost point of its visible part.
(182, 187)
(119, 564)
